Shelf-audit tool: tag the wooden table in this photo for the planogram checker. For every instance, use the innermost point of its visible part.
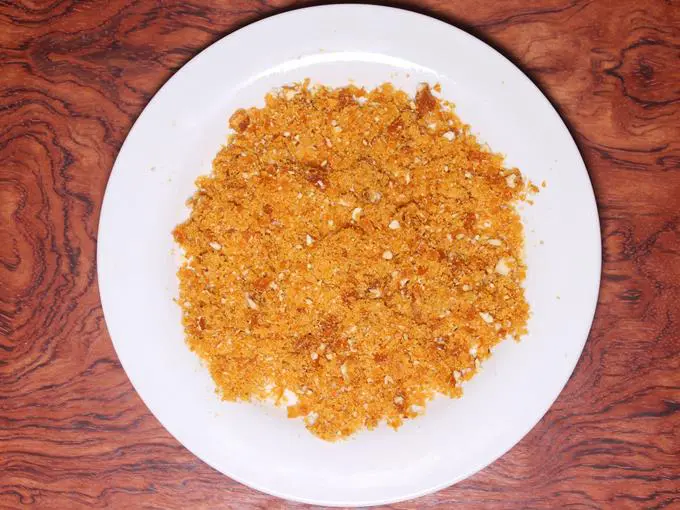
(73, 78)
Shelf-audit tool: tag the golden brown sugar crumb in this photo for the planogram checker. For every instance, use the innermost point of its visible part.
(353, 254)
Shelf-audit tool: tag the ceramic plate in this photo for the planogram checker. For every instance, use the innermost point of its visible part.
(174, 141)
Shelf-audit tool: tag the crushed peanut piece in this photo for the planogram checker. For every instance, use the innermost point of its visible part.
(502, 267)
(486, 317)
(375, 293)
(251, 304)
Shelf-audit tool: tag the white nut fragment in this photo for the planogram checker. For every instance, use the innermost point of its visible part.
(375, 293)
(403, 282)
(388, 380)
(466, 288)
(286, 134)
(473, 351)
(457, 375)
(394, 225)
(312, 417)
(344, 372)
(460, 236)
(314, 356)
(502, 267)
(356, 213)
(468, 175)
(495, 242)
(309, 240)
(398, 400)
(449, 135)
(432, 125)
(251, 304)
(510, 180)
(375, 197)
(215, 246)
(486, 317)
(387, 255)
(290, 397)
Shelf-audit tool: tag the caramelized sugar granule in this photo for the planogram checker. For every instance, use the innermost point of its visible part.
(352, 254)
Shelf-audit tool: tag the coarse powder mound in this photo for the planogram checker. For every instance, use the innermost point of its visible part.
(352, 254)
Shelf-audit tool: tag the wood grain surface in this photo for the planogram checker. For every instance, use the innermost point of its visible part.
(73, 78)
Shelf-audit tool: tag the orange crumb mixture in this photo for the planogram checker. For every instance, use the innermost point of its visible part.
(352, 254)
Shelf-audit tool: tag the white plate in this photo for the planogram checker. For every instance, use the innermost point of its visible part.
(174, 141)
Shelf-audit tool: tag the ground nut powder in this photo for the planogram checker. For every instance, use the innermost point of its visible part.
(352, 254)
